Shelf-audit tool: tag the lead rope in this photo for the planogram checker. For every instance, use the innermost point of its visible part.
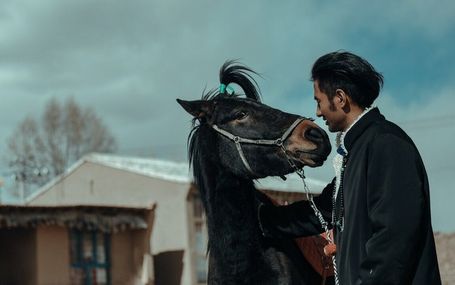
(316, 211)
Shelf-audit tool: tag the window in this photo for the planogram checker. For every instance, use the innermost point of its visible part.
(89, 253)
(200, 240)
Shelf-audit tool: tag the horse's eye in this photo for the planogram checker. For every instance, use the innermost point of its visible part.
(241, 115)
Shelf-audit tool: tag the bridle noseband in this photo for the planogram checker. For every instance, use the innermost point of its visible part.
(273, 142)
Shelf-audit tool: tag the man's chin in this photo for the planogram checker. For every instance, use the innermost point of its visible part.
(333, 129)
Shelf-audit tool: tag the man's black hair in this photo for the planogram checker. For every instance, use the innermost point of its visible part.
(349, 72)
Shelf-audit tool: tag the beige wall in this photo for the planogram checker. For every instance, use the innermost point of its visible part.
(127, 253)
(52, 255)
(122, 259)
(34, 256)
(95, 184)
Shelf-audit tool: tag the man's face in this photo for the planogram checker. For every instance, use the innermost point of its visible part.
(333, 115)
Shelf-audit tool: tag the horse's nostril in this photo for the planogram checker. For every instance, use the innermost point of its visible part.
(314, 134)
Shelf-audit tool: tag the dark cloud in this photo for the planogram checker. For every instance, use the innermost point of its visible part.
(129, 60)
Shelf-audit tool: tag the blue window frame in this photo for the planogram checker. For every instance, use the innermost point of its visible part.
(200, 240)
(90, 258)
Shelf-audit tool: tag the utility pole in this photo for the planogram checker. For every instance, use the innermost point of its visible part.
(21, 186)
(1, 188)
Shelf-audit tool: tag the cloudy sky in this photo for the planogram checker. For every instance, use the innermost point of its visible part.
(130, 60)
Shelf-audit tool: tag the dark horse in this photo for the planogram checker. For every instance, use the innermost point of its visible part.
(227, 154)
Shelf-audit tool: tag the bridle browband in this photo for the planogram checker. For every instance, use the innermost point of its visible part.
(273, 142)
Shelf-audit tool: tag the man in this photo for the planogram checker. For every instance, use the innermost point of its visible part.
(378, 203)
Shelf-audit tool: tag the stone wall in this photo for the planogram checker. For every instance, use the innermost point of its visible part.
(445, 245)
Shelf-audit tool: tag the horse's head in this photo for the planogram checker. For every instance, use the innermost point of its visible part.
(248, 138)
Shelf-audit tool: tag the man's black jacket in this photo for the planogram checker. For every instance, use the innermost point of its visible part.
(387, 236)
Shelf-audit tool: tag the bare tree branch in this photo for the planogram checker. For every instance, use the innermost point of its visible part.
(39, 152)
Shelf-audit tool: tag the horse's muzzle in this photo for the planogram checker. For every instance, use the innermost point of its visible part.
(308, 144)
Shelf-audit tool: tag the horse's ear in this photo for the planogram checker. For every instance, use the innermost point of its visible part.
(198, 108)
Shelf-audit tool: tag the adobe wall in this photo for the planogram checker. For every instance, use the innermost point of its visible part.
(17, 256)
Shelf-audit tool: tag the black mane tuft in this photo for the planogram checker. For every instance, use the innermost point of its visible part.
(233, 72)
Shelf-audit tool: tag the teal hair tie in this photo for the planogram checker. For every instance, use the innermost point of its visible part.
(224, 88)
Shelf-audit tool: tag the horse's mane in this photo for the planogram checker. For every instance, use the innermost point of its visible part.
(230, 72)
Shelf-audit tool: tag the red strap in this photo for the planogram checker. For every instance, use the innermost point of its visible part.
(313, 249)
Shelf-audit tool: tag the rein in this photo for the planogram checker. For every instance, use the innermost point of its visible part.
(329, 249)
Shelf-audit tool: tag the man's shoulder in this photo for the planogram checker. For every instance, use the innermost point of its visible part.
(388, 134)
(388, 128)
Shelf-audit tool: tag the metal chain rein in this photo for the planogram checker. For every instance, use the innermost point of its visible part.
(317, 212)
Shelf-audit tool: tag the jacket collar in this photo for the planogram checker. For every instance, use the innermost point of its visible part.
(360, 126)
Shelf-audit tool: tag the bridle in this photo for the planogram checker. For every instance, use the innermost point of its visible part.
(270, 142)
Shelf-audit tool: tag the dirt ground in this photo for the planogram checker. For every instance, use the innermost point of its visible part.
(445, 246)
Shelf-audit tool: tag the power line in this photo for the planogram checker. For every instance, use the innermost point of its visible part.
(432, 118)
(434, 122)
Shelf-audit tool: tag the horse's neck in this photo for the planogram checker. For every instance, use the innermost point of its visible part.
(231, 201)
(232, 221)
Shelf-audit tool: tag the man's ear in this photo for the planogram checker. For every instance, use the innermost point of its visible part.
(341, 98)
(199, 108)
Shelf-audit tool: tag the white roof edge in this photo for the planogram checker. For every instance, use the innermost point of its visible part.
(152, 167)
(53, 181)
